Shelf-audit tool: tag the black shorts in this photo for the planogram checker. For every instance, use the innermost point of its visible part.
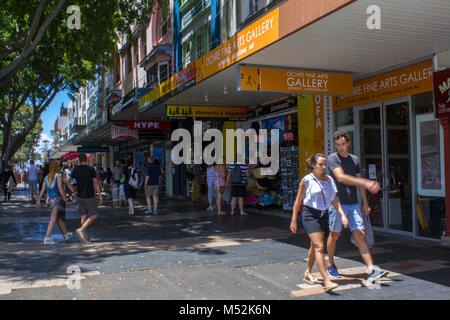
(314, 221)
(238, 190)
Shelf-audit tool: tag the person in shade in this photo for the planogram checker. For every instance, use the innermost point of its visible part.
(152, 182)
(237, 177)
(317, 192)
(345, 170)
(88, 187)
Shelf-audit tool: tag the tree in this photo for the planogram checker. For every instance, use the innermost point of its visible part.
(41, 56)
(27, 23)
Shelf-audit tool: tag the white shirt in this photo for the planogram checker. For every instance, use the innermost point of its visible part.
(315, 193)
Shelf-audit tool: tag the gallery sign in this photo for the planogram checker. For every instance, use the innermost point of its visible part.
(295, 81)
(411, 80)
(441, 86)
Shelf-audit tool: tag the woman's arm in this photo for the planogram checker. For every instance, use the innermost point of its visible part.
(338, 207)
(60, 187)
(38, 200)
(298, 201)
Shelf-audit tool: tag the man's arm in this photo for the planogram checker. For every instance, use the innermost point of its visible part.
(357, 181)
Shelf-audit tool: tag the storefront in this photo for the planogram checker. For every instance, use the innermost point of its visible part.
(211, 117)
(278, 190)
(400, 144)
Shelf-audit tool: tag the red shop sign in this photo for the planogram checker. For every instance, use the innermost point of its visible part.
(149, 125)
(122, 132)
(441, 88)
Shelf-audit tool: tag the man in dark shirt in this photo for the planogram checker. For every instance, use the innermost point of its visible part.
(87, 185)
(345, 170)
(152, 180)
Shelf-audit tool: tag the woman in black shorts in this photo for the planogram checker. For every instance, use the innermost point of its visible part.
(317, 192)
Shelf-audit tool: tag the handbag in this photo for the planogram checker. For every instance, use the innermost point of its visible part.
(132, 182)
(222, 189)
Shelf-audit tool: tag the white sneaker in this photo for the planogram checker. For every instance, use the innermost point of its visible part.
(48, 240)
(155, 211)
(148, 211)
(210, 208)
(68, 236)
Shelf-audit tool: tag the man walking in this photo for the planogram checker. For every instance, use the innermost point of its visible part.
(32, 177)
(238, 176)
(86, 182)
(152, 181)
(345, 170)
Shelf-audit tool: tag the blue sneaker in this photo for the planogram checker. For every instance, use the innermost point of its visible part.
(376, 274)
(333, 273)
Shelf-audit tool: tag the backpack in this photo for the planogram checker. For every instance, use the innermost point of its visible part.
(236, 175)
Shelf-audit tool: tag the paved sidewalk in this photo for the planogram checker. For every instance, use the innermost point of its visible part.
(188, 253)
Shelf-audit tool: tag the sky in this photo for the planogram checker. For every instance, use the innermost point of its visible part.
(50, 115)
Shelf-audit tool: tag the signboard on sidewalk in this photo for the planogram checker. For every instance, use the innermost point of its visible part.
(441, 88)
(295, 81)
(92, 149)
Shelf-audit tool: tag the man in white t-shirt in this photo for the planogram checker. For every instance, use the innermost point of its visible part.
(32, 175)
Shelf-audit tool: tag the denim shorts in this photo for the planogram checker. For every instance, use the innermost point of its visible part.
(354, 217)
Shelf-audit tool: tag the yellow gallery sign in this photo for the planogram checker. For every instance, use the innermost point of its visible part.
(414, 79)
(178, 111)
(253, 38)
(295, 81)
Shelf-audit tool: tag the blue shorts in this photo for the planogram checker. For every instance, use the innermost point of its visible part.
(354, 217)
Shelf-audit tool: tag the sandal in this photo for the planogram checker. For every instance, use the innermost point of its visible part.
(309, 279)
(330, 287)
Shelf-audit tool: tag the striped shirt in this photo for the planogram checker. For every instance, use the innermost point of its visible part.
(244, 171)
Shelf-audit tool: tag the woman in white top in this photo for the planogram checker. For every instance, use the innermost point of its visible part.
(317, 192)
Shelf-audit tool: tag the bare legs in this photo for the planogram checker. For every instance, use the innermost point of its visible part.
(316, 254)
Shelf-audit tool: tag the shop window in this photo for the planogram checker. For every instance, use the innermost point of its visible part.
(163, 72)
(430, 200)
(152, 75)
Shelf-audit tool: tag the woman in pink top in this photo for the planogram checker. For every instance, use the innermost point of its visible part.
(219, 186)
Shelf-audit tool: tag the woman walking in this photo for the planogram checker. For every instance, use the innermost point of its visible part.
(56, 199)
(131, 186)
(317, 192)
(9, 182)
(211, 191)
(219, 186)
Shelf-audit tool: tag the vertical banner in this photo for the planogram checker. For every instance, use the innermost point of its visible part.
(310, 129)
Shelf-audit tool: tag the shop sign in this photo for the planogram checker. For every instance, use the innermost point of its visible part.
(253, 38)
(295, 81)
(70, 155)
(184, 112)
(149, 125)
(177, 81)
(92, 149)
(402, 82)
(441, 86)
(263, 110)
(121, 131)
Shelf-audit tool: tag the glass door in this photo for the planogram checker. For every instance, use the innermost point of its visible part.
(371, 158)
(398, 165)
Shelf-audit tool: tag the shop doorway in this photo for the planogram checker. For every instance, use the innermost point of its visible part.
(383, 145)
